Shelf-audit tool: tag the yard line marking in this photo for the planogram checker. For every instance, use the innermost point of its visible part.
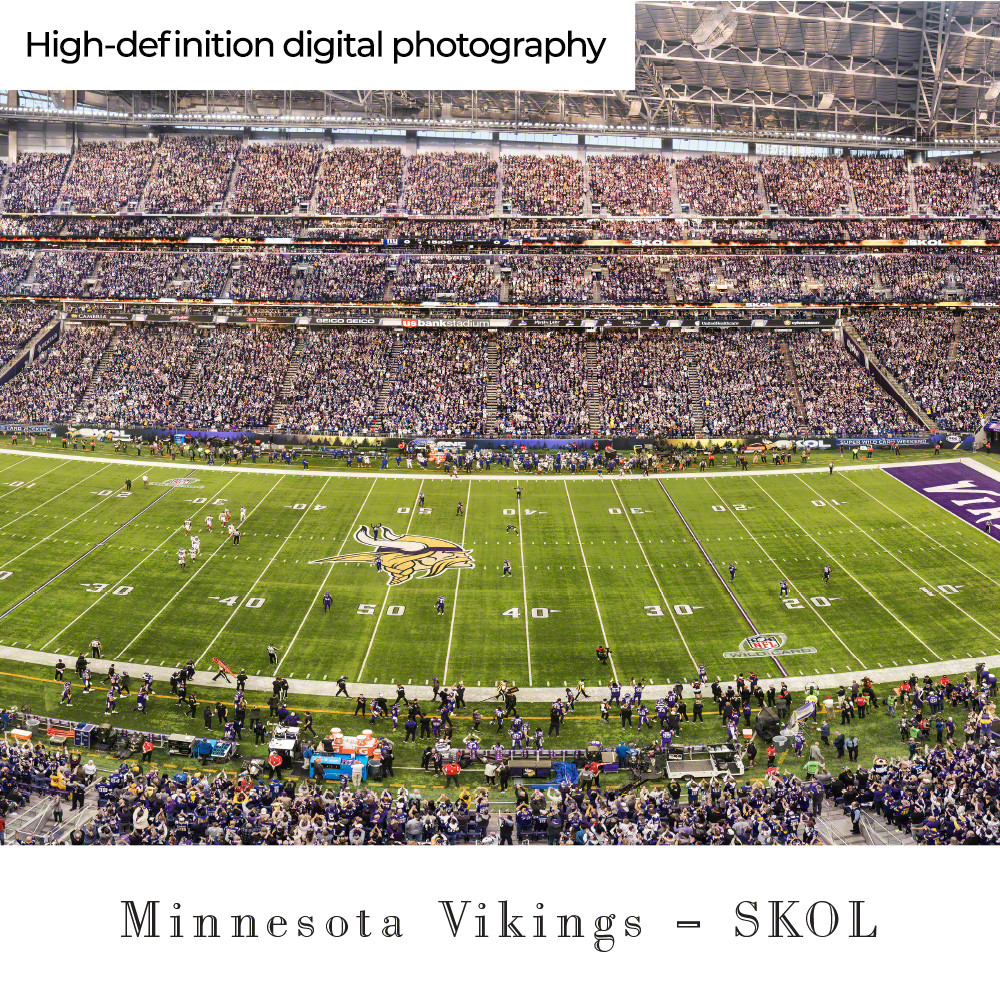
(524, 580)
(66, 525)
(122, 580)
(663, 596)
(385, 601)
(593, 594)
(3, 527)
(93, 548)
(830, 555)
(924, 533)
(806, 603)
(454, 602)
(190, 578)
(322, 586)
(262, 572)
(719, 576)
(925, 581)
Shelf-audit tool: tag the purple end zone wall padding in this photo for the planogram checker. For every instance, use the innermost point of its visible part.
(960, 489)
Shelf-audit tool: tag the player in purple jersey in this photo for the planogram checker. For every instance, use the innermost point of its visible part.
(327, 602)
(67, 694)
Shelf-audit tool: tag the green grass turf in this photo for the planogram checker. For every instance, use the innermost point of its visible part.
(27, 684)
(595, 561)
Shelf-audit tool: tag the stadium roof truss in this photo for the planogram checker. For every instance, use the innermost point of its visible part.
(830, 73)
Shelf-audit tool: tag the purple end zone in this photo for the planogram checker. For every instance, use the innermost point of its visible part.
(960, 489)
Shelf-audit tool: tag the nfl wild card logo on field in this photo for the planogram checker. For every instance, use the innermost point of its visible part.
(766, 644)
(177, 482)
(405, 557)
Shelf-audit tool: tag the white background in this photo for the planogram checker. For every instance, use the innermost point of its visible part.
(923, 923)
(612, 18)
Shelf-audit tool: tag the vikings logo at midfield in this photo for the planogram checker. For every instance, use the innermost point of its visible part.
(407, 556)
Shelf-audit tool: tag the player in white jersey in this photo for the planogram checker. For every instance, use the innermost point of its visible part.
(243, 514)
(195, 546)
(182, 558)
(145, 481)
(232, 529)
(187, 526)
(226, 516)
(208, 523)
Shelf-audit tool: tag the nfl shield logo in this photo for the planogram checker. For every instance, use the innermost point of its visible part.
(764, 642)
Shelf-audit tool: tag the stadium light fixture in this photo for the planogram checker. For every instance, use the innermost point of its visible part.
(992, 91)
(825, 102)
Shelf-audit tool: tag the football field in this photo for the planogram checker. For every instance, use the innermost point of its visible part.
(641, 565)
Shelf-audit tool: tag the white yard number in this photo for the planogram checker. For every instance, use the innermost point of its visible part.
(822, 503)
(96, 588)
(656, 611)
(509, 511)
(425, 510)
(402, 510)
(535, 612)
(231, 602)
(717, 507)
(366, 609)
(638, 510)
(395, 610)
(614, 510)
(945, 588)
(794, 604)
(5, 574)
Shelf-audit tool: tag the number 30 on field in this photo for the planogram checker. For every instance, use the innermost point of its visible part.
(656, 611)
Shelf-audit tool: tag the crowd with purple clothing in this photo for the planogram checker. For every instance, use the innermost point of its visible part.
(918, 277)
(34, 182)
(947, 363)
(466, 279)
(336, 388)
(631, 185)
(644, 388)
(50, 389)
(191, 173)
(880, 184)
(542, 383)
(543, 185)
(440, 385)
(804, 185)
(237, 378)
(63, 272)
(944, 186)
(107, 176)
(746, 385)
(450, 184)
(717, 185)
(19, 322)
(839, 396)
(546, 280)
(274, 177)
(363, 180)
(142, 377)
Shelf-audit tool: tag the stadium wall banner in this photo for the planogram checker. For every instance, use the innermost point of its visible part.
(960, 489)
(26, 429)
(915, 441)
(816, 444)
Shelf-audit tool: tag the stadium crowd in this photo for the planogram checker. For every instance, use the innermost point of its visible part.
(359, 180)
(336, 387)
(274, 178)
(543, 185)
(191, 174)
(108, 176)
(804, 185)
(439, 387)
(450, 184)
(643, 385)
(542, 383)
(631, 185)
